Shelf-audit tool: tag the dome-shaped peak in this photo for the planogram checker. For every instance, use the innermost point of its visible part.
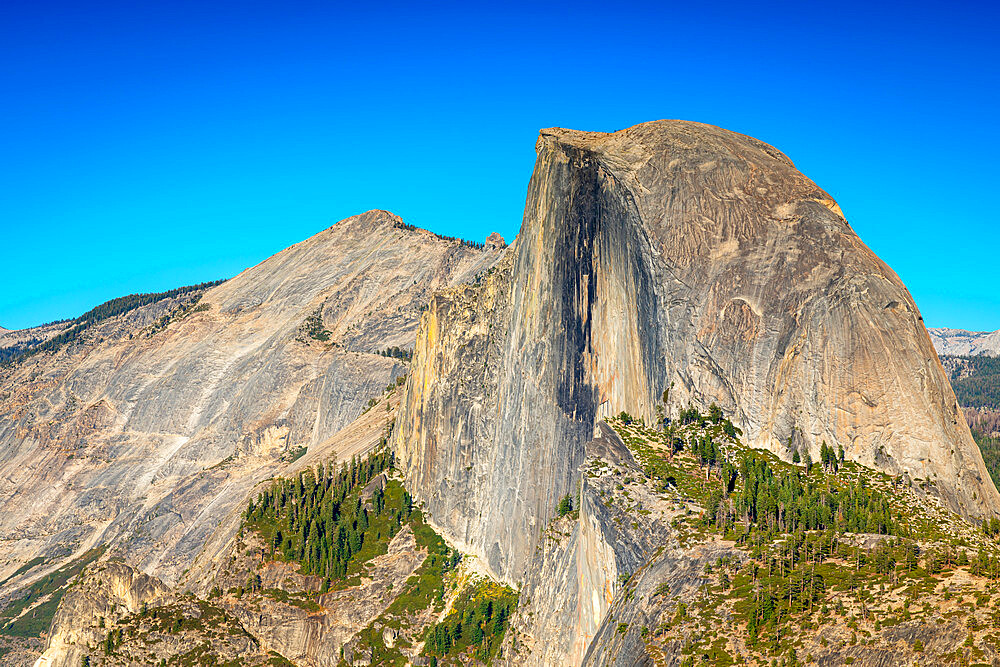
(677, 138)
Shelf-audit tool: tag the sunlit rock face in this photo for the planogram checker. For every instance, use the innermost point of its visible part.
(150, 438)
(668, 264)
(671, 255)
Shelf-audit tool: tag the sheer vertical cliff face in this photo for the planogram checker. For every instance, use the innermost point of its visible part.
(669, 255)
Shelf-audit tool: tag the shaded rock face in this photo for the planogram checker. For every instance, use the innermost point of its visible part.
(147, 437)
(965, 343)
(670, 255)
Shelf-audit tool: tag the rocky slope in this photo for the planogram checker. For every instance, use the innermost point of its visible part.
(115, 615)
(960, 342)
(665, 266)
(923, 591)
(14, 342)
(675, 261)
(148, 432)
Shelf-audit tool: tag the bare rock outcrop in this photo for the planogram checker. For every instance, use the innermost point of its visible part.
(148, 431)
(678, 257)
(579, 569)
(105, 594)
(116, 616)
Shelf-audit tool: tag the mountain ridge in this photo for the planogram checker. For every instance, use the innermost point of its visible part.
(960, 342)
(685, 383)
(236, 378)
(373, 219)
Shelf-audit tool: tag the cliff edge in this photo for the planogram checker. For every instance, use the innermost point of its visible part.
(669, 257)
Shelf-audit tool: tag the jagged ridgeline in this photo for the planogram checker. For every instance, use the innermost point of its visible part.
(471, 244)
(332, 520)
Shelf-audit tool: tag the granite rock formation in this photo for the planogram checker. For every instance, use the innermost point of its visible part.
(149, 431)
(666, 265)
(678, 261)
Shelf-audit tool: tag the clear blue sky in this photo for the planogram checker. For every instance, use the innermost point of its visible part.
(149, 146)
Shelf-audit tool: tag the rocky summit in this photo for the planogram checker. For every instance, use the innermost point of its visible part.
(686, 417)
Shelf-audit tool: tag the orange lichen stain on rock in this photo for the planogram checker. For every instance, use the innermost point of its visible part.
(708, 326)
(605, 388)
(429, 325)
(832, 205)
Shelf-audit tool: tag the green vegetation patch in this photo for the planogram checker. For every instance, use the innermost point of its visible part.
(425, 586)
(990, 447)
(977, 383)
(38, 560)
(743, 490)
(320, 520)
(396, 352)
(475, 626)
(332, 521)
(52, 586)
(313, 326)
(825, 543)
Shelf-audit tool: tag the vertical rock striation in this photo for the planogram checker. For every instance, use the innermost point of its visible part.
(671, 255)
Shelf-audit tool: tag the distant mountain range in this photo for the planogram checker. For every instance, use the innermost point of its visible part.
(971, 359)
(964, 343)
